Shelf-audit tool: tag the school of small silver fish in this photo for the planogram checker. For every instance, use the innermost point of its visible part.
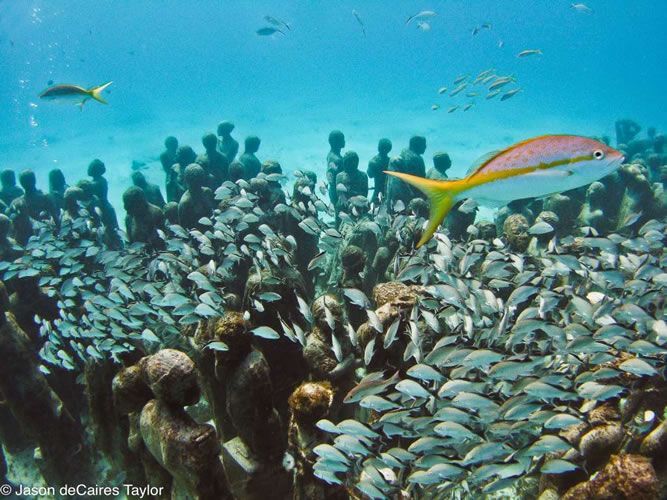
(500, 355)
(487, 83)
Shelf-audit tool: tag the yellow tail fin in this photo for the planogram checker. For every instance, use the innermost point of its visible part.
(96, 92)
(441, 194)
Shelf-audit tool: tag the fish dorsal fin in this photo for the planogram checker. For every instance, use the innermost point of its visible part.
(488, 158)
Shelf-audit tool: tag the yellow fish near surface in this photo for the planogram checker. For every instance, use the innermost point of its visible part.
(535, 167)
(79, 95)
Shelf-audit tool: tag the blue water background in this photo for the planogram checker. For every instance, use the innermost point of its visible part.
(181, 67)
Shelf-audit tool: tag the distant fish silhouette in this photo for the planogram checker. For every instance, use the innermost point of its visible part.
(529, 52)
(277, 22)
(361, 23)
(580, 7)
(420, 15)
(268, 31)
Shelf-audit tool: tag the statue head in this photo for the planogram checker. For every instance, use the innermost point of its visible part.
(311, 402)
(139, 179)
(418, 144)
(8, 178)
(271, 167)
(96, 168)
(87, 189)
(194, 176)
(252, 144)
(442, 162)
(56, 180)
(419, 207)
(134, 200)
(384, 146)
(350, 162)
(235, 171)
(28, 180)
(336, 140)
(210, 142)
(596, 192)
(185, 155)
(311, 176)
(171, 143)
(225, 128)
(72, 197)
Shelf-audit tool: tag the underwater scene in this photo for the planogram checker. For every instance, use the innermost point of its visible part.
(358, 249)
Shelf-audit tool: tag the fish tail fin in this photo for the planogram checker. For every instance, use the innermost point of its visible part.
(442, 197)
(96, 92)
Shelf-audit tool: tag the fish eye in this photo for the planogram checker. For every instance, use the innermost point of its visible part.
(598, 154)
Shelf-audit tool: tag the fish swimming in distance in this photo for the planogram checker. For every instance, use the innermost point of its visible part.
(509, 94)
(361, 23)
(529, 169)
(268, 31)
(276, 22)
(458, 89)
(423, 26)
(421, 15)
(581, 7)
(74, 93)
(501, 82)
(529, 52)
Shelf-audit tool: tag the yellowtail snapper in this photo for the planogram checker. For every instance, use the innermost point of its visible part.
(529, 169)
(74, 93)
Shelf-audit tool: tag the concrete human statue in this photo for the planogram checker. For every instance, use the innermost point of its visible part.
(376, 168)
(214, 163)
(334, 161)
(227, 145)
(152, 191)
(143, 219)
(441, 164)
(9, 191)
(197, 201)
(251, 164)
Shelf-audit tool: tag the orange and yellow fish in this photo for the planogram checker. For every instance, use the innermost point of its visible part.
(536, 167)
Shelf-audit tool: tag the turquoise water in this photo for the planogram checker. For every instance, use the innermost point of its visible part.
(181, 67)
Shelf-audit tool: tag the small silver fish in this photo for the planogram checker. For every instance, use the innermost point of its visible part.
(435, 107)
(442, 90)
(452, 109)
(529, 52)
(509, 94)
(580, 7)
(423, 26)
(460, 79)
(458, 89)
(468, 106)
(500, 82)
(421, 15)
